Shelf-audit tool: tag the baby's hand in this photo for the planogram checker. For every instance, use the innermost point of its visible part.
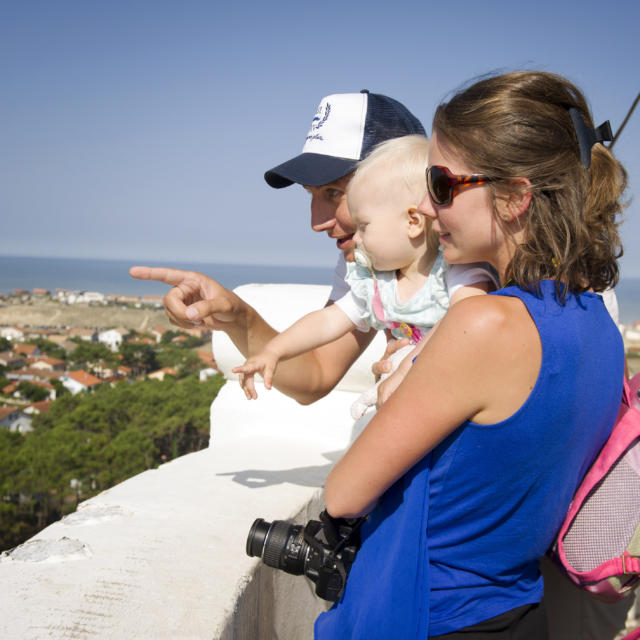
(388, 386)
(384, 365)
(264, 363)
(392, 381)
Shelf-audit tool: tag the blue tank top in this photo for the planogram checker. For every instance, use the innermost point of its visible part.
(457, 539)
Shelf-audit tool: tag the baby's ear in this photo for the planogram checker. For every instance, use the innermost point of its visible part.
(417, 222)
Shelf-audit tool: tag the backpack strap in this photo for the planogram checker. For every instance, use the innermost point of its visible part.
(634, 635)
(626, 392)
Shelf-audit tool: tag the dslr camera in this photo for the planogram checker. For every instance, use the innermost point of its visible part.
(323, 550)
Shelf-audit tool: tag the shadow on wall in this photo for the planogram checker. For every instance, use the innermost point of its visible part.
(312, 476)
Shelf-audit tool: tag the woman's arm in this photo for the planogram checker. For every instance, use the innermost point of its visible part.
(481, 365)
(197, 300)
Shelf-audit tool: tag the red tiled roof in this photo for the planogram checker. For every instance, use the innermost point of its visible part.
(84, 378)
(206, 357)
(49, 360)
(41, 407)
(26, 349)
(7, 411)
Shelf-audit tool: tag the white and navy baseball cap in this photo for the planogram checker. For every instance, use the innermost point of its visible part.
(344, 130)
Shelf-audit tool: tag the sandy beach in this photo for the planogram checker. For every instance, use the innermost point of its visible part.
(57, 314)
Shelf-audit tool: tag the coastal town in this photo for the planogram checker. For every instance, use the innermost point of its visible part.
(44, 357)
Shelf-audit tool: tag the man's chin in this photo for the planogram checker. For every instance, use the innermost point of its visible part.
(348, 255)
(347, 247)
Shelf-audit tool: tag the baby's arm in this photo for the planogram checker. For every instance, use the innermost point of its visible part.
(311, 331)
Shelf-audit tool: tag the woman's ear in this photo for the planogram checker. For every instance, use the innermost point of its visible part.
(516, 202)
(417, 222)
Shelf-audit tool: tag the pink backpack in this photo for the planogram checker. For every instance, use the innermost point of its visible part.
(598, 546)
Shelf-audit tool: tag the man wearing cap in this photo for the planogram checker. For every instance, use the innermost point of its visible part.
(344, 130)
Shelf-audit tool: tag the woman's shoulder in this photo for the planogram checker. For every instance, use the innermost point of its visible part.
(493, 319)
(491, 308)
(491, 349)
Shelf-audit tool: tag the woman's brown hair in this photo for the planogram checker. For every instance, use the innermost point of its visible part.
(518, 125)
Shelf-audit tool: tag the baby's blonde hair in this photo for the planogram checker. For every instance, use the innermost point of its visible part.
(400, 162)
(397, 161)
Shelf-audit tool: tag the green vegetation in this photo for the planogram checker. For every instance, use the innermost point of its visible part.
(139, 354)
(88, 442)
(32, 392)
(91, 352)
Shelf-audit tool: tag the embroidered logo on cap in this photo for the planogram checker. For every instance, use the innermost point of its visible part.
(318, 121)
(338, 125)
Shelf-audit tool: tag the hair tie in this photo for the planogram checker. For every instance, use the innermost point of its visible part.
(588, 136)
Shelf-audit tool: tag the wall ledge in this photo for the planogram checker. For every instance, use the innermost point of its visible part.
(162, 555)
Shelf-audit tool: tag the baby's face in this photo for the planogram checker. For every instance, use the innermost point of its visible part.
(380, 215)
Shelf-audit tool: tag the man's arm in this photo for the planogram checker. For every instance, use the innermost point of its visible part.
(197, 300)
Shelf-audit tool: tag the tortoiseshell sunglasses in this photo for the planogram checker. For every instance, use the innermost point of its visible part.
(443, 185)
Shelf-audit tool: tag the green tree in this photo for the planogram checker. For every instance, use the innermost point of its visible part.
(12, 526)
(186, 361)
(88, 353)
(89, 442)
(31, 391)
(61, 390)
(140, 354)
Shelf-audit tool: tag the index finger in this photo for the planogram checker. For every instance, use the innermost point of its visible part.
(159, 274)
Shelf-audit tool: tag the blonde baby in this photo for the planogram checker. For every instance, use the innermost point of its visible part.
(399, 281)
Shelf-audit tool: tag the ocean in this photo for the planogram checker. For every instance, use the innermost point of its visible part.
(112, 276)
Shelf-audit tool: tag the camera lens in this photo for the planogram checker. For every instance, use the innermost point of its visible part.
(256, 537)
(280, 544)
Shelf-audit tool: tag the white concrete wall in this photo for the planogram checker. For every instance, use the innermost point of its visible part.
(162, 555)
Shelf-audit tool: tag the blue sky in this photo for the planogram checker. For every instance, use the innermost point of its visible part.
(141, 130)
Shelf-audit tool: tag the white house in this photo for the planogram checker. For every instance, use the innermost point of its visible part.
(93, 297)
(15, 419)
(207, 373)
(46, 363)
(12, 333)
(113, 338)
(77, 381)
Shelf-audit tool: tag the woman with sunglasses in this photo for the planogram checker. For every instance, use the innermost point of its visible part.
(467, 471)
